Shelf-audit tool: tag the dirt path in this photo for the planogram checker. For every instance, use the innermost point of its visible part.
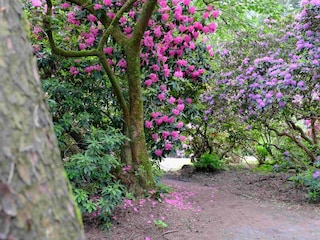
(218, 207)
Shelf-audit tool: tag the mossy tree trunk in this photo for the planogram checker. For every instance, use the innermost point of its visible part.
(35, 197)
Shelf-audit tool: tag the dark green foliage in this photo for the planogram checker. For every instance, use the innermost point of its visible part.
(92, 174)
(210, 162)
(262, 153)
(265, 168)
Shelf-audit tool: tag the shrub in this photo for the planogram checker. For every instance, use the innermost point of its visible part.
(210, 162)
(92, 174)
(311, 180)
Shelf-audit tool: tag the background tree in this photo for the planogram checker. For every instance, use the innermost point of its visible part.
(274, 86)
(35, 199)
(131, 43)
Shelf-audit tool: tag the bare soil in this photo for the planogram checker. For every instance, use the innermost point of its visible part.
(230, 205)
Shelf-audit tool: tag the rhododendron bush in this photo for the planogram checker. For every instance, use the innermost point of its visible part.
(151, 55)
(275, 84)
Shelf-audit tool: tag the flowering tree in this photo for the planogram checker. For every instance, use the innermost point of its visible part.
(278, 89)
(122, 38)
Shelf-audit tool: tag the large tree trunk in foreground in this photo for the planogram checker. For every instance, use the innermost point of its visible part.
(35, 200)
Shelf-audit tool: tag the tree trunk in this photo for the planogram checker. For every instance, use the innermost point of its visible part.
(140, 157)
(35, 197)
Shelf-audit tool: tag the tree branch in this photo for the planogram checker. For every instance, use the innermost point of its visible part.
(142, 24)
(116, 87)
(314, 131)
(113, 23)
(59, 51)
(116, 33)
(292, 125)
(295, 140)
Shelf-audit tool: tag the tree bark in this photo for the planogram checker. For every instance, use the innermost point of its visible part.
(140, 157)
(35, 197)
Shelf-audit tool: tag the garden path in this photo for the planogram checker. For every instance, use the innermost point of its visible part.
(231, 205)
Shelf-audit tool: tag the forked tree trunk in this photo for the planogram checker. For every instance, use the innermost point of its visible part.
(35, 197)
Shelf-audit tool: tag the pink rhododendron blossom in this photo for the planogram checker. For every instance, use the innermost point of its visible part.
(163, 4)
(158, 121)
(148, 124)
(198, 25)
(82, 46)
(122, 21)
(205, 29)
(212, 26)
(182, 28)
(90, 41)
(91, 18)
(153, 77)
(110, 62)
(180, 125)
(158, 152)
(186, 2)
(97, 6)
(127, 30)
(175, 111)
(171, 100)
(155, 114)
(170, 120)
(178, 74)
(182, 138)
(164, 17)
(165, 118)
(107, 2)
(111, 15)
(72, 19)
(155, 67)
(148, 83)
(108, 50)
(74, 71)
(65, 5)
(161, 97)
(180, 107)
(189, 100)
(165, 134)
(155, 136)
(36, 3)
(163, 88)
(168, 146)
(175, 135)
(215, 13)
(192, 10)
(182, 62)
(37, 30)
(122, 63)
(205, 15)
